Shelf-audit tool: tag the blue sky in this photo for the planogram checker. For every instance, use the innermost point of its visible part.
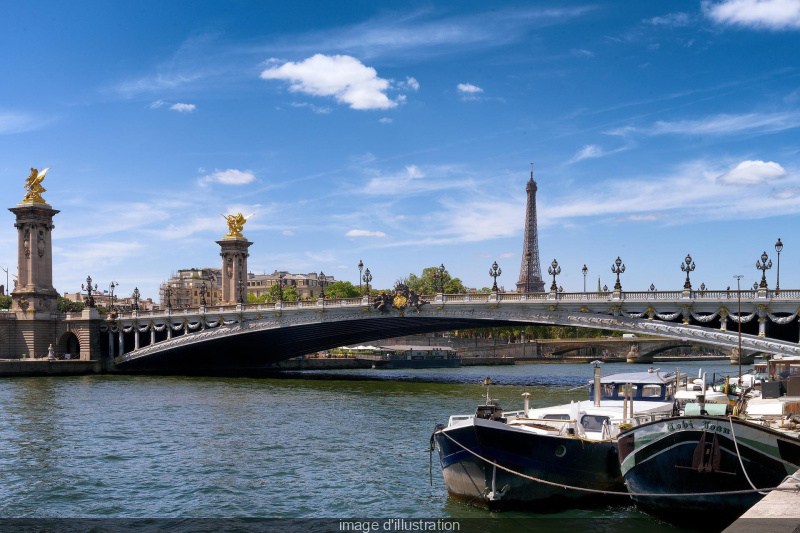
(402, 134)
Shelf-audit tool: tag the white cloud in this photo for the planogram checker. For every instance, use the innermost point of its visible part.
(17, 123)
(316, 109)
(411, 181)
(672, 19)
(157, 104)
(747, 123)
(385, 120)
(693, 192)
(583, 53)
(341, 76)
(589, 151)
(410, 83)
(324, 257)
(752, 173)
(786, 193)
(507, 255)
(287, 232)
(468, 88)
(364, 233)
(757, 14)
(183, 108)
(229, 177)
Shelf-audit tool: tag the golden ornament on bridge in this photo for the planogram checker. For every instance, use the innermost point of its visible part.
(34, 187)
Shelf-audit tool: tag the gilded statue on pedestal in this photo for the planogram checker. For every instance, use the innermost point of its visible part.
(34, 187)
(235, 224)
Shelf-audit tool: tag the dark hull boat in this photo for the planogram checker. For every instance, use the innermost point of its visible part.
(561, 460)
(712, 455)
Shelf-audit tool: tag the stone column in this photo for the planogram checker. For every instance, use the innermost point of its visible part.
(234, 267)
(110, 343)
(121, 341)
(34, 290)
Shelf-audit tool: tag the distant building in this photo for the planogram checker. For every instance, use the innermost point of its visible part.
(184, 288)
(308, 286)
(103, 299)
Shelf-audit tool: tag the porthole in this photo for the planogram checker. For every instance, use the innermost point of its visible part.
(561, 451)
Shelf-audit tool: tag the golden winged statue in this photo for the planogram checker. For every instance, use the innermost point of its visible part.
(34, 187)
(235, 224)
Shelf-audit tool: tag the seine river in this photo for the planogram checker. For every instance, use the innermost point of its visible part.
(347, 444)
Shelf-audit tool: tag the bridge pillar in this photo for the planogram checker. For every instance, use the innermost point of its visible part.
(110, 343)
(135, 336)
(747, 359)
(121, 341)
(234, 267)
(33, 289)
(152, 334)
(635, 357)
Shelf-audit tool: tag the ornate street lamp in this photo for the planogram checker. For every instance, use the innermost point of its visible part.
(240, 287)
(763, 266)
(367, 278)
(321, 279)
(360, 266)
(111, 287)
(688, 267)
(280, 286)
(88, 289)
(616, 269)
(652, 287)
(213, 279)
(528, 272)
(168, 294)
(585, 271)
(203, 294)
(8, 291)
(778, 248)
(554, 270)
(135, 296)
(495, 271)
(702, 287)
(438, 278)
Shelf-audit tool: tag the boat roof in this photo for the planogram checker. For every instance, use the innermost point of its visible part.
(637, 377)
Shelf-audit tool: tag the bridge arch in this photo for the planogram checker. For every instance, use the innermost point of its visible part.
(68, 343)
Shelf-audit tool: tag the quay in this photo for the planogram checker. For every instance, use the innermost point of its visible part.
(46, 367)
(777, 512)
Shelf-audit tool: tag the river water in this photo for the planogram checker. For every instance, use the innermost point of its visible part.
(339, 444)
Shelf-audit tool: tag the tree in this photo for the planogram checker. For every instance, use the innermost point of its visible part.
(5, 302)
(289, 294)
(342, 289)
(428, 282)
(67, 306)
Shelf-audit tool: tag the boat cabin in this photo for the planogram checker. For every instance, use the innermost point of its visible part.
(643, 386)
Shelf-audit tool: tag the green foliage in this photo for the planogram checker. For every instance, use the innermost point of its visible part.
(341, 289)
(253, 299)
(428, 283)
(5, 302)
(66, 306)
(484, 290)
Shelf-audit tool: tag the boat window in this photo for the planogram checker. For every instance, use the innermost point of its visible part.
(621, 390)
(608, 390)
(651, 391)
(593, 422)
(556, 417)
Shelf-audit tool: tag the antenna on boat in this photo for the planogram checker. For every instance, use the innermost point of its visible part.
(739, 321)
(486, 382)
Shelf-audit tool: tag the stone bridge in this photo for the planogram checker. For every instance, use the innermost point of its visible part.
(257, 335)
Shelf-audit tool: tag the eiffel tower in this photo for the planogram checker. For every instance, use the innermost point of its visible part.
(530, 267)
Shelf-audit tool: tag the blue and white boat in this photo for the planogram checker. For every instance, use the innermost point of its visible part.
(546, 458)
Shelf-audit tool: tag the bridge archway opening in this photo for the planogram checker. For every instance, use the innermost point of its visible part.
(68, 343)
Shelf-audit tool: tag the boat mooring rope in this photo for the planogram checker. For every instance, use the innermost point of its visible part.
(796, 489)
(739, 456)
